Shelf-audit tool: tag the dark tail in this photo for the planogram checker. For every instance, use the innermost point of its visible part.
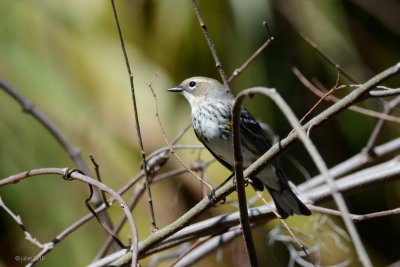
(287, 203)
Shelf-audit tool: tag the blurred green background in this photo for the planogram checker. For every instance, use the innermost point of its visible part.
(66, 58)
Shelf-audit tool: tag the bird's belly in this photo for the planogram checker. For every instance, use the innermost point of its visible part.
(223, 148)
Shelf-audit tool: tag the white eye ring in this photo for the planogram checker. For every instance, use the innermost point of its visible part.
(192, 85)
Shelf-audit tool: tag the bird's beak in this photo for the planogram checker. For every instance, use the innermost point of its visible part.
(177, 89)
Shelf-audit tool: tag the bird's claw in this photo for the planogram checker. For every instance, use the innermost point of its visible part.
(213, 199)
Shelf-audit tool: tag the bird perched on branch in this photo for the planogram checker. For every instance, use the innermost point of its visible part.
(211, 105)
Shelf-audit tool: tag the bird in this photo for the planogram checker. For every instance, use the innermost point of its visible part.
(211, 103)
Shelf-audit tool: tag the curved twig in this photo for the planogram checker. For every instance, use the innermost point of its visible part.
(69, 174)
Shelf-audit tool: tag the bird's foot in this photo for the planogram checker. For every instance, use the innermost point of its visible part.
(212, 197)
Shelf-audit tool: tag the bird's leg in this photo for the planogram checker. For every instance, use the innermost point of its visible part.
(211, 195)
(246, 181)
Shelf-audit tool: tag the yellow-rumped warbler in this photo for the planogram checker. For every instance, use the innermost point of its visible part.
(211, 119)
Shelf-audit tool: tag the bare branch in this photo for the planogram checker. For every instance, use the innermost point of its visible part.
(357, 218)
(353, 163)
(384, 93)
(208, 247)
(193, 248)
(322, 98)
(18, 220)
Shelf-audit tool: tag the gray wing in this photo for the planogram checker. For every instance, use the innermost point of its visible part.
(252, 135)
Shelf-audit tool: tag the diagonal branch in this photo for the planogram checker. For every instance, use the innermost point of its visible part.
(353, 163)
(250, 60)
(260, 214)
(31, 109)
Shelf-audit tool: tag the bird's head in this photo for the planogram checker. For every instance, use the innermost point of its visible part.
(198, 89)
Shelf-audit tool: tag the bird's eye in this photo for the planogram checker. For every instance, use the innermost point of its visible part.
(192, 84)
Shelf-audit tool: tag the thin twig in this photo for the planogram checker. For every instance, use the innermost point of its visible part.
(18, 220)
(208, 246)
(333, 99)
(157, 260)
(357, 218)
(179, 223)
(137, 125)
(358, 109)
(102, 223)
(211, 45)
(97, 172)
(389, 107)
(322, 98)
(195, 245)
(137, 194)
(250, 60)
(181, 132)
(162, 150)
(327, 58)
(379, 91)
(282, 221)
